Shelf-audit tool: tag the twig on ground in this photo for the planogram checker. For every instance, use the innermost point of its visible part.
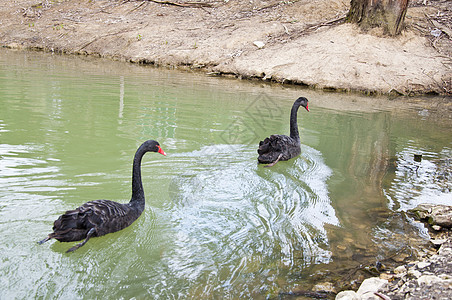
(141, 4)
(327, 23)
(183, 4)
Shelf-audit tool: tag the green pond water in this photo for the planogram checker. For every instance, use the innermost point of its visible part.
(216, 224)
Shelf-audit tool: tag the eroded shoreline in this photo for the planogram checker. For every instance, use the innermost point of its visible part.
(299, 42)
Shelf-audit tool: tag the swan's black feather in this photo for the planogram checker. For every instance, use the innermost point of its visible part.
(104, 215)
(282, 147)
(270, 148)
(99, 217)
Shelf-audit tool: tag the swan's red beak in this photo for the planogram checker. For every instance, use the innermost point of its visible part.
(161, 151)
(307, 108)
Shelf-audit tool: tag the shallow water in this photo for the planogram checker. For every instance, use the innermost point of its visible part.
(216, 224)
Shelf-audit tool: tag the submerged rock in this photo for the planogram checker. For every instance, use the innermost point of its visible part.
(433, 214)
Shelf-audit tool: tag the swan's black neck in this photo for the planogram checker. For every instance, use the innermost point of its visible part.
(137, 185)
(293, 122)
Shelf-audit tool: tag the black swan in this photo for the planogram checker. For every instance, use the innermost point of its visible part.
(99, 217)
(282, 147)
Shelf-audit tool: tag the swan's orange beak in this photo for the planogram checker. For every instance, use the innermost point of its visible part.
(161, 151)
(307, 107)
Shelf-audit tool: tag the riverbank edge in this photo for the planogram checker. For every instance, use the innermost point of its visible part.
(297, 44)
(428, 278)
(212, 70)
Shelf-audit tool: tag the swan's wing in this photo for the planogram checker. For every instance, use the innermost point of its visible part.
(277, 147)
(270, 149)
(274, 143)
(104, 215)
(109, 216)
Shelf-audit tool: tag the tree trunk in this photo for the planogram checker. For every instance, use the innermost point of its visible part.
(388, 14)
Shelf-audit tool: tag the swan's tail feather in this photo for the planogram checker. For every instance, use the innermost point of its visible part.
(44, 240)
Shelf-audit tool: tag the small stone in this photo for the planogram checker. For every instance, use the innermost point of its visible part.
(13, 46)
(435, 32)
(347, 295)
(435, 258)
(386, 276)
(371, 285)
(400, 283)
(444, 250)
(407, 287)
(445, 277)
(423, 264)
(324, 287)
(441, 215)
(436, 227)
(341, 247)
(414, 273)
(259, 44)
(428, 279)
(400, 257)
(437, 242)
(400, 269)
(267, 77)
(349, 240)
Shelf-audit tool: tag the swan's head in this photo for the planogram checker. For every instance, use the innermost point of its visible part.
(154, 146)
(302, 101)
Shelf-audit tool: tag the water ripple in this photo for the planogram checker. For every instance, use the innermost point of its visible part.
(234, 219)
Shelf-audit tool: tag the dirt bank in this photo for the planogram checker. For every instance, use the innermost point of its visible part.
(303, 42)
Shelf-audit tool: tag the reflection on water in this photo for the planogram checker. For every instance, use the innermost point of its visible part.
(216, 224)
(425, 181)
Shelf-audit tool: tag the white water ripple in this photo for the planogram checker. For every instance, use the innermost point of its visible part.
(246, 219)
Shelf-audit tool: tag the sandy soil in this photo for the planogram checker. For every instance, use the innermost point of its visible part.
(302, 42)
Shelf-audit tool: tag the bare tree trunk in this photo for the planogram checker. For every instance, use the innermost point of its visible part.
(388, 14)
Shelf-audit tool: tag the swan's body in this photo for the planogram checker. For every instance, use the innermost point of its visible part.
(282, 147)
(99, 217)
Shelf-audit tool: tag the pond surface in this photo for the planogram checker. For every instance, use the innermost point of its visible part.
(216, 224)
